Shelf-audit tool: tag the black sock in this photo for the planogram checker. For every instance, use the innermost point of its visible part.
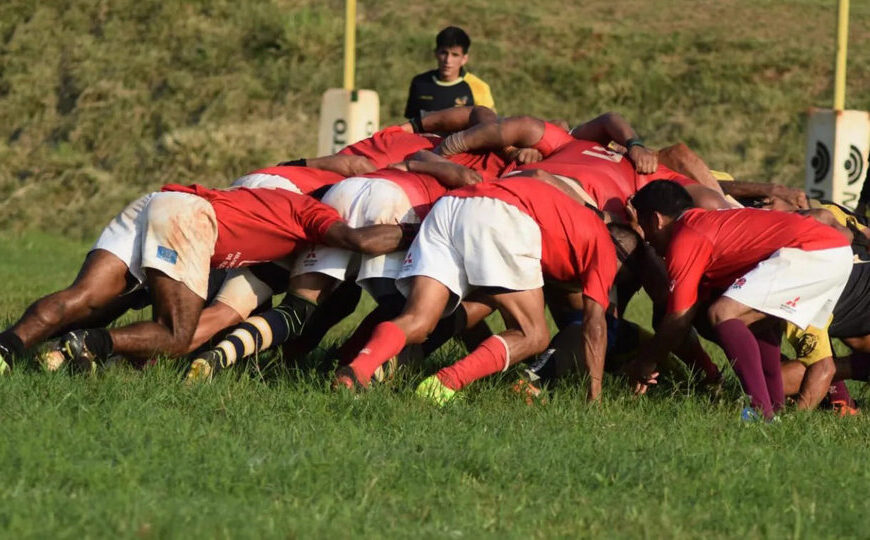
(11, 344)
(99, 342)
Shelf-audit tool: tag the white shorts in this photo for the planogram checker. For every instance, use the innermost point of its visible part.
(801, 287)
(171, 232)
(244, 292)
(466, 243)
(361, 202)
(260, 180)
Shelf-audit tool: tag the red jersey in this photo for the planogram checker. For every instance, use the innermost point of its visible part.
(306, 179)
(260, 225)
(554, 137)
(575, 243)
(490, 165)
(712, 248)
(390, 145)
(422, 189)
(607, 176)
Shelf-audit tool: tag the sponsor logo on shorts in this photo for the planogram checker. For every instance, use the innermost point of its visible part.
(409, 260)
(789, 306)
(166, 254)
(310, 258)
(739, 283)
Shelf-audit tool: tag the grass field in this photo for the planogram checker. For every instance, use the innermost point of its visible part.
(275, 453)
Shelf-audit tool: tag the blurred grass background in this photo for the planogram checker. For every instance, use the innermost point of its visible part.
(101, 101)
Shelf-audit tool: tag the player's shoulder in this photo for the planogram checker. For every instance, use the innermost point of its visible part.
(475, 82)
(427, 77)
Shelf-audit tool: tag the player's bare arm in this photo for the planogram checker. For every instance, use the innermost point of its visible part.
(682, 159)
(594, 345)
(612, 126)
(373, 239)
(450, 120)
(740, 189)
(345, 165)
(517, 131)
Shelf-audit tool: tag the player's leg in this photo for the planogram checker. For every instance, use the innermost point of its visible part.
(388, 308)
(526, 335)
(427, 299)
(730, 320)
(272, 327)
(768, 334)
(102, 278)
(792, 376)
(467, 322)
(178, 234)
(176, 312)
(338, 306)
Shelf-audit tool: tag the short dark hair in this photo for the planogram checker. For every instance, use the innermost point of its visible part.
(451, 37)
(663, 196)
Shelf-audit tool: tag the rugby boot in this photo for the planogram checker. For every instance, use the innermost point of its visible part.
(76, 352)
(435, 391)
(204, 367)
(345, 378)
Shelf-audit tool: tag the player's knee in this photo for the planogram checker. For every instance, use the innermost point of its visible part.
(718, 312)
(416, 328)
(538, 338)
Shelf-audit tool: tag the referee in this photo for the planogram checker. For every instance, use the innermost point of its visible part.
(449, 85)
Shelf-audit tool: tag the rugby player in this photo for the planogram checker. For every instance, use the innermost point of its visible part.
(773, 266)
(402, 194)
(168, 241)
(247, 289)
(502, 237)
(605, 156)
(449, 85)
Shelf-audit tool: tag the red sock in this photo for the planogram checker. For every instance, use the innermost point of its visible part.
(490, 357)
(386, 342)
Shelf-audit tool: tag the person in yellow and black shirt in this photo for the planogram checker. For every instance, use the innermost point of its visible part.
(449, 85)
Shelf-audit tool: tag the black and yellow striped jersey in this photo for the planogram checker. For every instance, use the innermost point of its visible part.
(428, 93)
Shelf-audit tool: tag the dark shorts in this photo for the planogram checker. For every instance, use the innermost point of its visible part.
(852, 312)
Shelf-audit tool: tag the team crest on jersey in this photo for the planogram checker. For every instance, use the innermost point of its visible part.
(460, 101)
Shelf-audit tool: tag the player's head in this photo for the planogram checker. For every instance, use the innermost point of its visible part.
(657, 205)
(451, 50)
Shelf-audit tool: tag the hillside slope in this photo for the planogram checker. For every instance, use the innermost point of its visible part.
(100, 101)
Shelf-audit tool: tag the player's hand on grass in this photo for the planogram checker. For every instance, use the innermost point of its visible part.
(645, 160)
(642, 375)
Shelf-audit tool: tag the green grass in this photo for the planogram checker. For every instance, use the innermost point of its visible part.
(102, 101)
(275, 453)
